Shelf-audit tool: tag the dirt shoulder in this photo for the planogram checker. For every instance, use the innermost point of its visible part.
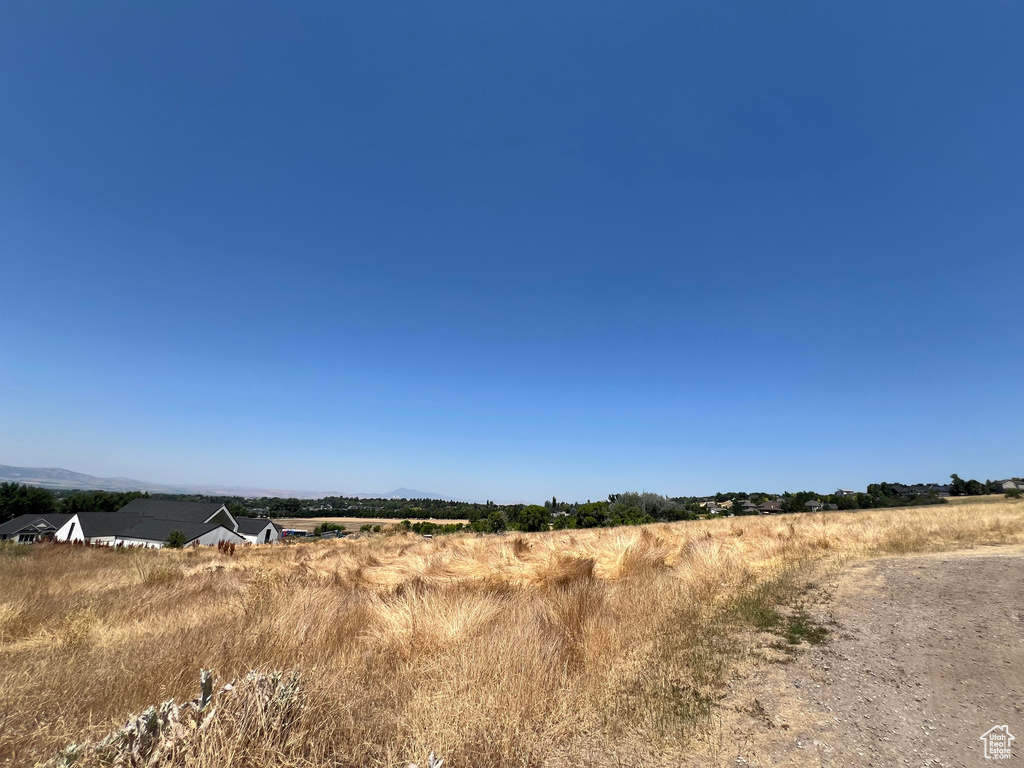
(926, 653)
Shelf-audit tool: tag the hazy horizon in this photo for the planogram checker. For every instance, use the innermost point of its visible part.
(513, 252)
(272, 490)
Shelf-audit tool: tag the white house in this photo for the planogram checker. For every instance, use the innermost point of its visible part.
(95, 527)
(258, 530)
(154, 533)
(149, 523)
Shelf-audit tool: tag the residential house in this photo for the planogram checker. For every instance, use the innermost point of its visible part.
(258, 530)
(26, 529)
(845, 492)
(813, 505)
(98, 527)
(153, 533)
(920, 489)
(1008, 485)
(770, 508)
(149, 523)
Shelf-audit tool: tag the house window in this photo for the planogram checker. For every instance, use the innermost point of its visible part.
(71, 531)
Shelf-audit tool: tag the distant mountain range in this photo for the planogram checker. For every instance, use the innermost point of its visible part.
(64, 479)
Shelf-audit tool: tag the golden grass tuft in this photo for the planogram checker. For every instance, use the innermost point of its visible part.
(519, 650)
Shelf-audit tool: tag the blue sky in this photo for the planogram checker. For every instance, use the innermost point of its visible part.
(513, 250)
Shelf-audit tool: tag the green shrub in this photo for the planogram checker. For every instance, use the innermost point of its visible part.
(175, 539)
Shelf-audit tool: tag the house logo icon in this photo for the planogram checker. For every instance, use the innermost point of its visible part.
(997, 742)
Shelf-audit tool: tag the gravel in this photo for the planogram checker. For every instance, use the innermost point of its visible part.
(926, 654)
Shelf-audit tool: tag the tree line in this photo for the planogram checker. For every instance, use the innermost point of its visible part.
(629, 508)
(18, 499)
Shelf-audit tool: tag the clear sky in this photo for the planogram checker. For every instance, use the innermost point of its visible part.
(513, 250)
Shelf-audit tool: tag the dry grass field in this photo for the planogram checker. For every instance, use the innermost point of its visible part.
(604, 646)
(992, 498)
(349, 523)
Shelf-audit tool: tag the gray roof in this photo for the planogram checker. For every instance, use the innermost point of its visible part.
(155, 529)
(34, 522)
(106, 523)
(253, 525)
(186, 511)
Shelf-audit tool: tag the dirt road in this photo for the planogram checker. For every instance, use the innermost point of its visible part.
(927, 654)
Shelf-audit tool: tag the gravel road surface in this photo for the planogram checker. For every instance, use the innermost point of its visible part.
(926, 655)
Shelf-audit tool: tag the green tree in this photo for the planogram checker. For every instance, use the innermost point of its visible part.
(496, 522)
(175, 539)
(957, 487)
(532, 518)
(17, 499)
(564, 522)
(845, 502)
(237, 509)
(98, 501)
(976, 488)
(593, 515)
(796, 502)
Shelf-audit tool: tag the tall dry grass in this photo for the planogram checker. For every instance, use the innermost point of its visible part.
(519, 650)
